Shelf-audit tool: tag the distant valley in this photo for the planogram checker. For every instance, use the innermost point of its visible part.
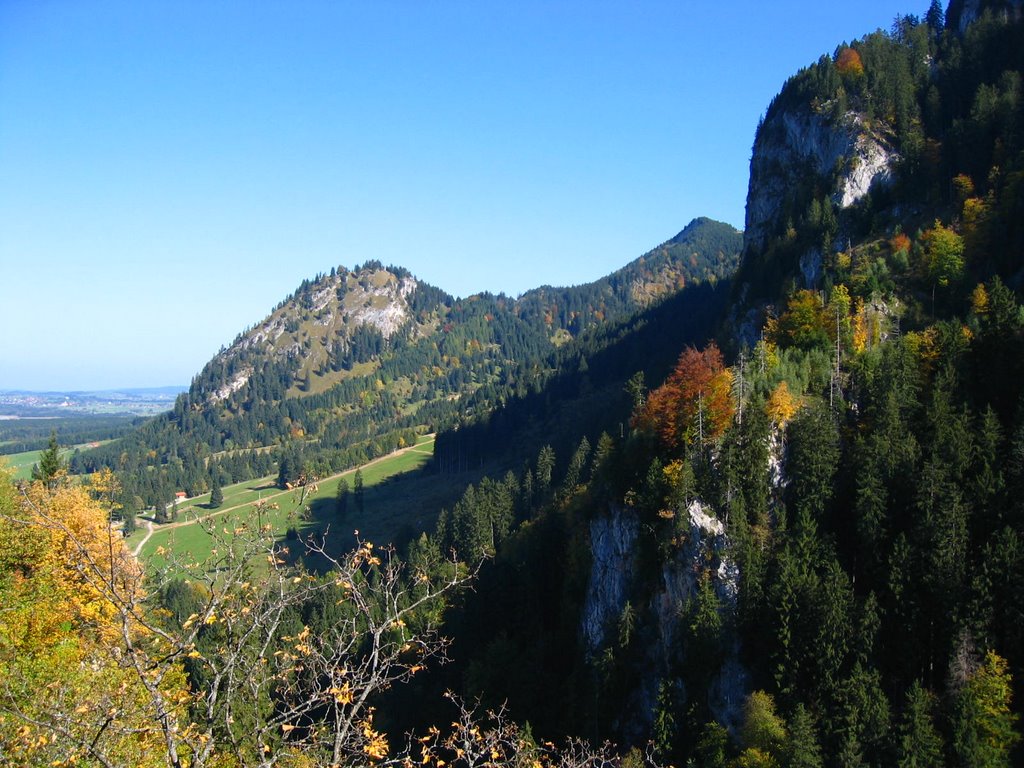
(129, 401)
(752, 500)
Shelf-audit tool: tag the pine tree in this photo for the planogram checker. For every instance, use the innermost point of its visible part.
(216, 492)
(833, 601)
(803, 750)
(285, 472)
(665, 726)
(357, 490)
(712, 747)
(813, 458)
(527, 493)
(574, 474)
(862, 722)
(545, 469)
(918, 743)
(51, 467)
(129, 525)
(935, 18)
(705, 633)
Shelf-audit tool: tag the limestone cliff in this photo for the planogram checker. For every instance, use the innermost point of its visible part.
(799, 145)
(661, 607)
(962, 12)
(316, 322)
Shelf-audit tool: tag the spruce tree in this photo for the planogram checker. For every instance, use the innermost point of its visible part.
(665, 726)
(545, 468)
(935, 18)
(357, 488)
(51, 467)
(129, 509)
(918, 743)
(712, 746)
(803, 749)
(216, 492)
(574, 474)
(284, 472)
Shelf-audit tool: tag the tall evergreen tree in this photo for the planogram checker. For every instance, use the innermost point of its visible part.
(358, 491)
(51, 467)
(918, 743)
(574, 474)
(813, 458)
(129, 509)
(545, 469)
(665, 726)
(803, 749)
(216, 492)
(935, 18)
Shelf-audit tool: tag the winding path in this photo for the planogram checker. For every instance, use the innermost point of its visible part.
(141, 544)
(151, 529)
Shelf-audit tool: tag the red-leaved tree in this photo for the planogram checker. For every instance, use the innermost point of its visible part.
(694, 404)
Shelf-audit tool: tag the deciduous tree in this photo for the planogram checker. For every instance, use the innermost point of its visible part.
(98, 675)
(694, 406)
(984, 728)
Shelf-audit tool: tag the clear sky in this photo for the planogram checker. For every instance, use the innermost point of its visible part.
(169, 171)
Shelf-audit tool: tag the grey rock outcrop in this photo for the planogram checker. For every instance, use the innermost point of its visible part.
(795, 143)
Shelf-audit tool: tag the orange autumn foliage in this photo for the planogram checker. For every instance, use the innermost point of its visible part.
(695, 401)
(900, 243)
(849, 63)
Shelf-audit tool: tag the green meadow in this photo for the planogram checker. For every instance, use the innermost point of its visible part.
(400, 500)
(20, 464)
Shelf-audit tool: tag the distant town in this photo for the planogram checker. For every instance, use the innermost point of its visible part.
(18, 404)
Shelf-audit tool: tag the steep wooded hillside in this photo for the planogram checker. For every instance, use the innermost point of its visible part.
(804, 551)
(355, 362)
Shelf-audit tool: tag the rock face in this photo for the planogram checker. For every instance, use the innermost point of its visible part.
(327, 311)
(793, 144)
(704, 548)
(962, 12)
(706, 544)
(612, 543)
(613, 540)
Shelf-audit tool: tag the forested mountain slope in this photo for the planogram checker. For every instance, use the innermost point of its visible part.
(807, 550)
(354, 362)
(803, 547)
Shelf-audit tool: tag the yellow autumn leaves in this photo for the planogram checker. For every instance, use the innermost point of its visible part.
(57, 632)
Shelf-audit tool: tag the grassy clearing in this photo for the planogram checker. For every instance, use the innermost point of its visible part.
(400, 501)
(21, 464)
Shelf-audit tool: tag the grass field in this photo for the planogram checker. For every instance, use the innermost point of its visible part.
(400, 501)
(21, 464)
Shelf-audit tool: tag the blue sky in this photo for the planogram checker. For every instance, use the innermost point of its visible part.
(169, 171)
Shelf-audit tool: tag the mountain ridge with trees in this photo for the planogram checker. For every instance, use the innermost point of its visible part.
(356, 362)
(802, 548)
